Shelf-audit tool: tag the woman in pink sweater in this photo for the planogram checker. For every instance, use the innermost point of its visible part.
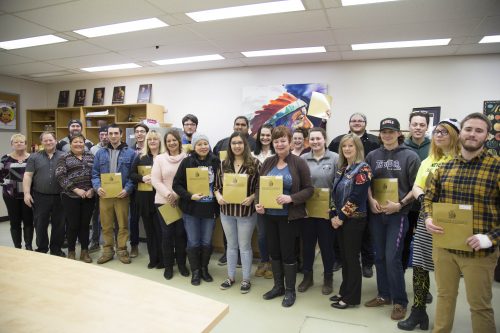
(162, 175)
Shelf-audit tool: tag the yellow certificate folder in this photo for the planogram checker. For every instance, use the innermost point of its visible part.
(144, 170)
(319, 204)
(385, 189)
(270, 187)
(111, 184)
(222, 155)
(235, 187)
(187, 148)
(456, 220)
(170, 214)
(197, 181)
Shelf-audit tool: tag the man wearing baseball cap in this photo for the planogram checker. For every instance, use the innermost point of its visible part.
(74, 128)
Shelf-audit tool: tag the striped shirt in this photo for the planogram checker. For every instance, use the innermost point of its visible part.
(71, 173)
(236, 209)
(477, 183)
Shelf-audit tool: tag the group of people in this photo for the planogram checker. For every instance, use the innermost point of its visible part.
(361, 220)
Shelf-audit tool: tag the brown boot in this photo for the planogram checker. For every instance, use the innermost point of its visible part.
(124, 257)
(268, 274)
(327, 284)
(71, 255)
(84, 256)
(105, 257)
(134, 251)
(261, 269)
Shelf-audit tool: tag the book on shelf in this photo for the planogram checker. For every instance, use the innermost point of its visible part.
(97, 113)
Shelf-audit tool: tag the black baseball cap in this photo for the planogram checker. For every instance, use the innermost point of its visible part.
(390, 123)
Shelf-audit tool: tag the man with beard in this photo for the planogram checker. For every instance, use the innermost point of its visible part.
(473, 178)
(74, 128)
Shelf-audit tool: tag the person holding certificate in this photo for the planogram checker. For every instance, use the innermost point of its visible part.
(145, 196)
(238, 216)
(12, 167)
(199, 209)
(74, 174)
(471, 181)
(394, 168)
(173, 234)
(349, 216)
(282, 224)
(444, 147)
(323, 165)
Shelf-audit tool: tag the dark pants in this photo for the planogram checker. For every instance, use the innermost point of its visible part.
(78, 213)
(281, 234)
(316, 230)
(47, 209)
(350, 236)
(96, 224)
(133, 221)
(367, 254)
(153, 235)
(173, 242)
(19, 215)
(412, 223)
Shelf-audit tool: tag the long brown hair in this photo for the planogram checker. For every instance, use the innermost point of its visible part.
(248, 160)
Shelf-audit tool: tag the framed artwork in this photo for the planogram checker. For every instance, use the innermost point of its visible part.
(434, 116)
(118, 95)
(80, 95)
(144, 95)
(63, 100)
(98, 98)
(492, 110)
(9, 108)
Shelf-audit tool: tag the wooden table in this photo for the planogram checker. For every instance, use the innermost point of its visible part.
(44, 293)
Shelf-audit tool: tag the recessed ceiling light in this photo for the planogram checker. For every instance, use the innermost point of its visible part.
(300, 50)
(490, 39)
(247, 10)
(185, 60)
(118, 28)
(32, 41)
(110, 67)
(402, 44)
(362, 2)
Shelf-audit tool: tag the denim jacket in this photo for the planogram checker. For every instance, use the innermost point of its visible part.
(101, 165)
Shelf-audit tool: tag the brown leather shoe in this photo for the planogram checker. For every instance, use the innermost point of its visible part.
(398, 312)
(268, 274)
(124, 257)
(261, 269)
(105, 257)
(84, 256)
(71, 255)
(377, 301)
(134, 251)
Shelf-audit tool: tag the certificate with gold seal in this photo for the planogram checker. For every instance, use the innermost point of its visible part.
(222, 155)
(319, 204)
(385, 189)
(170, 214)
(456, 220)
(234, 187)
(187, 148)
(270, 187)
(197, 181)
(144, 170)
(111, 183)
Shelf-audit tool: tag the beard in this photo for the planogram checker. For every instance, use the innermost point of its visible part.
(471, 146)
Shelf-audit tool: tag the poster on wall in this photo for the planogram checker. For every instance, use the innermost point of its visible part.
(98, 98)
(63, 100)
(434, 116)
(9, 108)
(283, 104)
(144, 95)
(118, 95)
(80, 95)
(492, 110)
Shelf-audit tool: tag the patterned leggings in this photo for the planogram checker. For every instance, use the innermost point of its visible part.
(421, 284)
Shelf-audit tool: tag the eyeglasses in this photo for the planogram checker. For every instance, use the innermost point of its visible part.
(140, 131)
(440, 132)
(357, 121)
(420, 112)
(189, 124)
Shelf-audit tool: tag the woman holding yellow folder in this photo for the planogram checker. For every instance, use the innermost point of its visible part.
(282, 225)
(238, 219)
(141, 175)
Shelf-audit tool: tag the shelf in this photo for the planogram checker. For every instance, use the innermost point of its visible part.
(107, 116)
(43, 121)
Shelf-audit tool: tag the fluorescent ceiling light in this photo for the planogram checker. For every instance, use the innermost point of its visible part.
(362, 2)
(490, 39)
(247, 10)
(110, 67)
(395, 45)
(32, 41)
(38, 75)
(118, 28)
(300, 50)
(185, 60)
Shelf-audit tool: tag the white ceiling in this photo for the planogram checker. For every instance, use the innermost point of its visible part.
(325, 22)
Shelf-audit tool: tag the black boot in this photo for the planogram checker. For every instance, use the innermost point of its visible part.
(497, 271)
(307, 282)
(193, 255)
(327, 288)
(290, 279)
(418, 316)
(16, 237)
(278, 288)
(28, 238)
(206, 252)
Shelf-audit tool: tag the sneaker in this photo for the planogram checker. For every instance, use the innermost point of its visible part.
(398, 312)
(226, 284)
(134, 251)
(222, 260)
(377, 301)
(245, 286)
(367, 271)
(94, 247)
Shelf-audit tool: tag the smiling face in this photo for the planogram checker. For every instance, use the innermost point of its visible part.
(48, 143)
(316, 141)
(172, 145)
(281, 146)
(189, 127)
(77, 146)
(154, 143)
(349, 150)
(202, 148)
(357, 124)
(18, 144)
(75, 129)
(473, 135)
(389, 137)
(240, 125)
(441, 137)
(418, 127)
(140, 134)
(237, 146)
(298, 140)
(265, 136)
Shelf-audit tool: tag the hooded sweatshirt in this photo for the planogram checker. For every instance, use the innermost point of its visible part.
(422, 150)
(401, 163)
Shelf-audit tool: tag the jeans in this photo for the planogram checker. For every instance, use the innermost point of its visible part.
(316, 230)
(261, 239)
(239, 232)
(388, 232)
(199, 230)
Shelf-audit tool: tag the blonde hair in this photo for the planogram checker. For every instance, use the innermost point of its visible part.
(155, 135)
(360, 151)
(454, 147)
(17, 136)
